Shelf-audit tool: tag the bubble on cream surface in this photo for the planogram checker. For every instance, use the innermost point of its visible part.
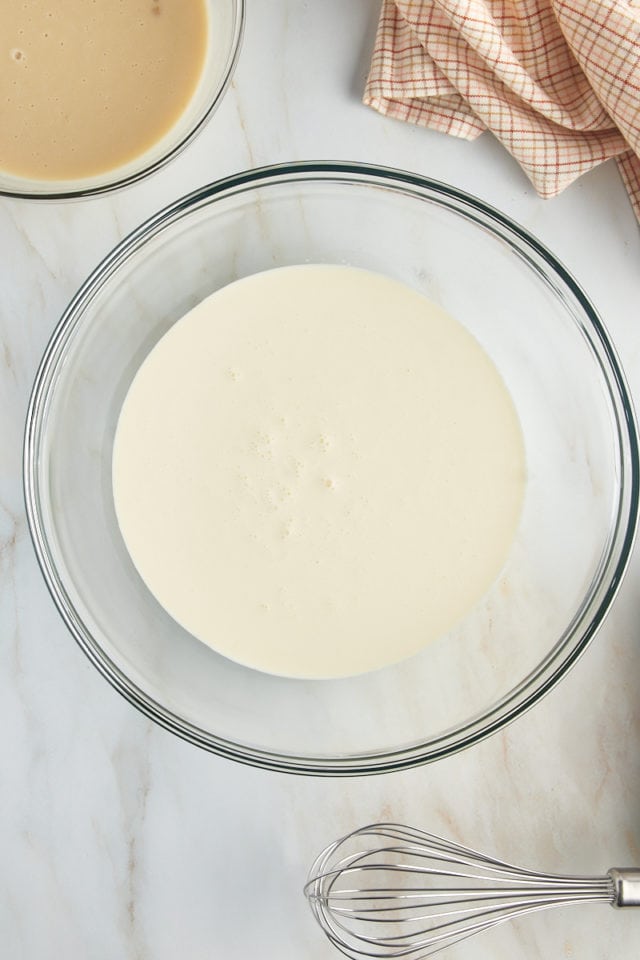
(316, 471)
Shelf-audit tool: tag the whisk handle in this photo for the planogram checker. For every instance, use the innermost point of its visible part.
(626, 886)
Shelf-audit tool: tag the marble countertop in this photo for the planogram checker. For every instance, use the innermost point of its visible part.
(119, 840)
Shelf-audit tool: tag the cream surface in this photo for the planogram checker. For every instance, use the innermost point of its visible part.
(88, 85)
(316, 471)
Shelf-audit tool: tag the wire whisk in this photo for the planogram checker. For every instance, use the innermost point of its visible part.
(388, 890)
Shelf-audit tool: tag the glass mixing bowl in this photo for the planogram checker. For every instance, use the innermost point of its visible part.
(581, 503)
(226, 23)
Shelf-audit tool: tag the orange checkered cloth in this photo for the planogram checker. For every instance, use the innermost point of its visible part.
(556, 81)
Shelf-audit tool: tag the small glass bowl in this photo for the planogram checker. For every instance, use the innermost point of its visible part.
(544, 336)
(226, 24)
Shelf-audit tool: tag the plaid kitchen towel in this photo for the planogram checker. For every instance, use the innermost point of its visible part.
(557, 81)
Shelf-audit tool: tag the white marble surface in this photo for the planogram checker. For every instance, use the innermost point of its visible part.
(117, 839)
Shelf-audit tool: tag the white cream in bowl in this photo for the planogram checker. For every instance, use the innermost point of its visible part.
(316, 471)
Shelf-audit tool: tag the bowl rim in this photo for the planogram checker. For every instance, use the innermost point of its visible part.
(119, 183)
(561, 657)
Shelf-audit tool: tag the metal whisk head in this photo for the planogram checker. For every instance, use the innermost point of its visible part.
(392, 891)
